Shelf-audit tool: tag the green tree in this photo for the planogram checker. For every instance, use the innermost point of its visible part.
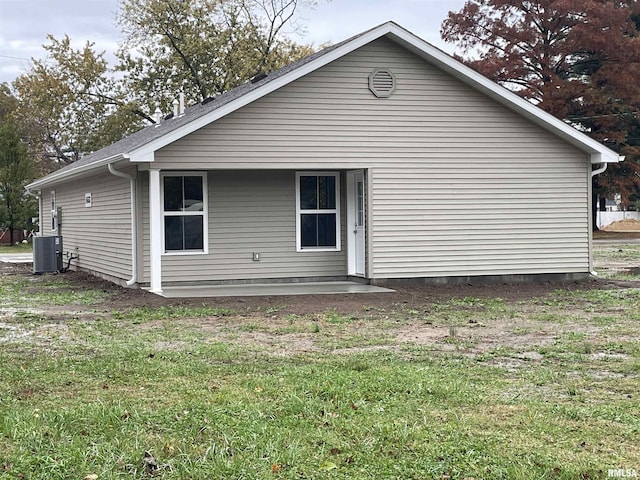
(8, 103)
(68, 100)
(73, 103)
(201, 47)
(16, 170)
(578, 60)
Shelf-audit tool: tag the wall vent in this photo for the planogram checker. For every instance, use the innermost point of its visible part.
(382, 83)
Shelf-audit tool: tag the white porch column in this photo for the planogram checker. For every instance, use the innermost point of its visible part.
(155, 234)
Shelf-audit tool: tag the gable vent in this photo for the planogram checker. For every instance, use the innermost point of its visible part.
(382, 82)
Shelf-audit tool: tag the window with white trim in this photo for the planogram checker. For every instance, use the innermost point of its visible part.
(318, 211)
(184, 212)
(54, 213)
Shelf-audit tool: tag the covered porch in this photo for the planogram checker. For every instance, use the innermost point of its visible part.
(287, 230)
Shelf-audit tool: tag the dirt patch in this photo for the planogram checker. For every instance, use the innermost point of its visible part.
(628, 225)
(421, 334)
(281, 344)
(414, 297)
(615, 235)
(15, 268)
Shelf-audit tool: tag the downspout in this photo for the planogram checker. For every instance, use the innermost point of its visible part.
(599, 171)
(593, 174)
(134, 223)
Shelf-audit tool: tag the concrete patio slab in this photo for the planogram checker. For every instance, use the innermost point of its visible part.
(269, 289)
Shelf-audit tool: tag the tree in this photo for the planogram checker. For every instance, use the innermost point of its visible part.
(74, 103)
(577, 59)
(68, 99)
(201, 47)
(8, 103)
(16, 170)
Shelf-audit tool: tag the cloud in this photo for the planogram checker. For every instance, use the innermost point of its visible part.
(339, 19)
(24, 24)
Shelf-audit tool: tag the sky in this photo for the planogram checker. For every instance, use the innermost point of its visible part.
(24, 24)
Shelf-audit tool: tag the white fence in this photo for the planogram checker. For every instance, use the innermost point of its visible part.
(605, 218)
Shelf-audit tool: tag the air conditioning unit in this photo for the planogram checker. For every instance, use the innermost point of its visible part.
(47, 254)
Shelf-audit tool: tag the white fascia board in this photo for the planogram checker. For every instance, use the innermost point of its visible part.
(599, 153)
(67, 175)
(145, 152)
(143, 155)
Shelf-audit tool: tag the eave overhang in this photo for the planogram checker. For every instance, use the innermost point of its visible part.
(56, 177)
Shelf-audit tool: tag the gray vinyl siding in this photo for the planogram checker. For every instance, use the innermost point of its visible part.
(523, 229)
(460, 185)
(102, 232)
(250, 211)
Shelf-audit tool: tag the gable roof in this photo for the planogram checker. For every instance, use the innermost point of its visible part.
(140, 146)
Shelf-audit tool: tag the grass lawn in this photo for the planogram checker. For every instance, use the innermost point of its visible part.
(618, 261)
(19, 248)
(473, 384)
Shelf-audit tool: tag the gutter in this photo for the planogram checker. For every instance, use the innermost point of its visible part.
(604, 166)
(68, 174)
(134, 223)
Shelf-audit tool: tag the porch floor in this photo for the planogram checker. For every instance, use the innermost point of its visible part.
(268, 289)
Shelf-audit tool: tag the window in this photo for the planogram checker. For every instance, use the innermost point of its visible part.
(54, 213)
(184, 206)
(318, 211)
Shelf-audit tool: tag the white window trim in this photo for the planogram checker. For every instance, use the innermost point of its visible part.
(299, 211)
(54, 211)
(204, 213)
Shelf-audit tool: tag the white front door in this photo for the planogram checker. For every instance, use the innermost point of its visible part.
(356, 218)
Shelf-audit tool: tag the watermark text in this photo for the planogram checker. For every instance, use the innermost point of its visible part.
(622, 473)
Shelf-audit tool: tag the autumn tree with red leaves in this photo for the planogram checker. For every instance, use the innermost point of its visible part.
(577, 59)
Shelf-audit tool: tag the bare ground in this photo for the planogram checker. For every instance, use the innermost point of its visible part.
(417, 296)
(606, 234)
(413, 316)
(629, 225)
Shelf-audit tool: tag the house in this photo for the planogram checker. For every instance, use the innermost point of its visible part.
(380, 158)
